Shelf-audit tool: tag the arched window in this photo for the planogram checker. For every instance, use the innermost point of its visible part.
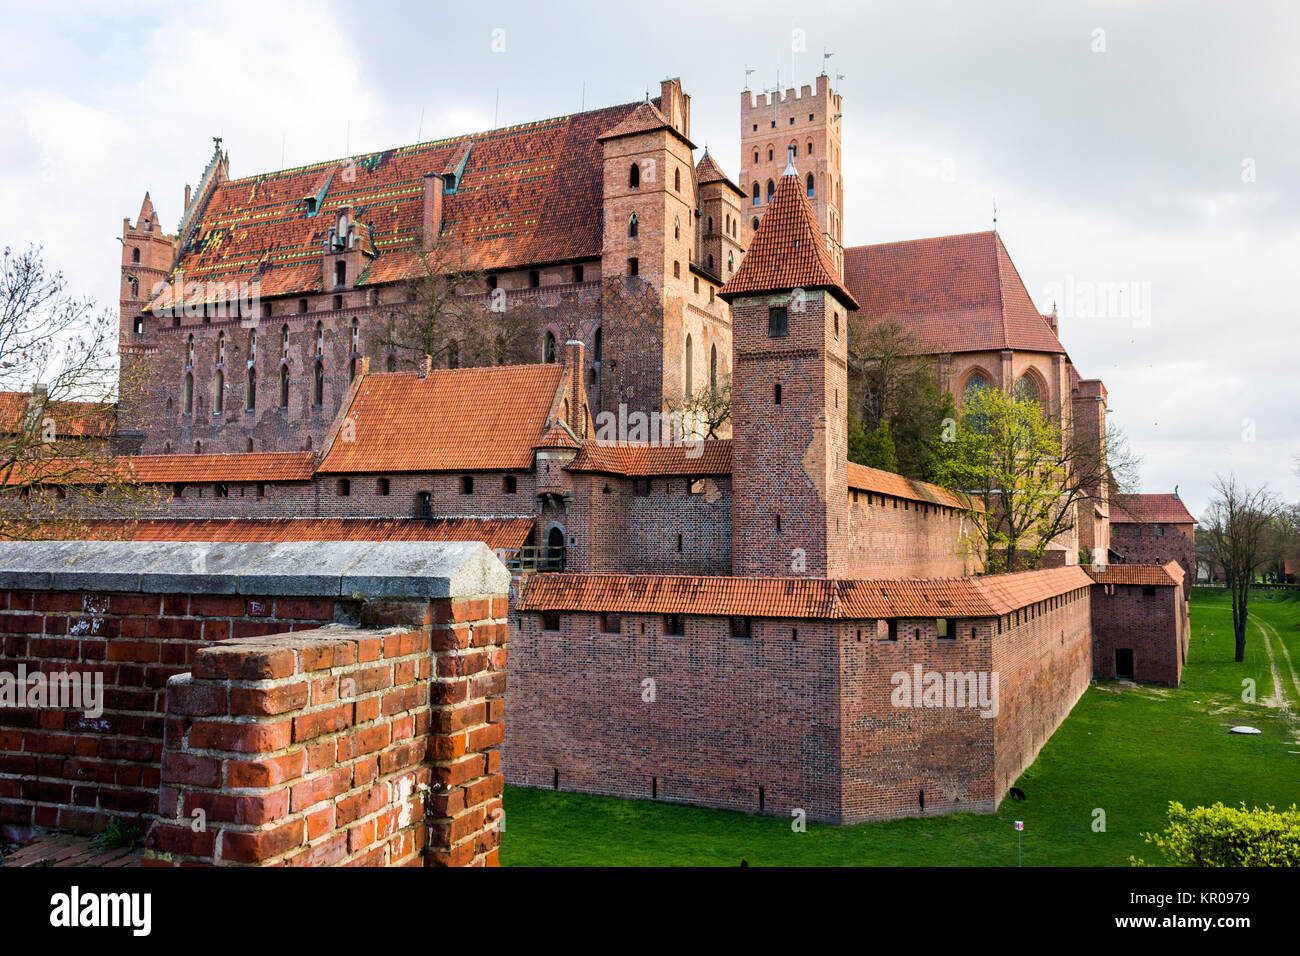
(634, 177)
(318, 385)
(731, 263)
(218, 392)
(710, 262)
(198, 448)
(548, 349)
(221, 348)
(690, 367)
(632, 226)
(677, 180)
(284, 386)
(189, 351)
(771, 189)
(320, 339)
(755, 157)
(135, 286)
(189, 393)
(252, 345)
(250, 402)
(754, 225)
(811, 190)
(757, 194)
(677, 270)
(713, 369)
(677, 227)
(135, 254)
(284, 341)
(596, 345)
(710, 225)
(1027, 389)
(356, 335)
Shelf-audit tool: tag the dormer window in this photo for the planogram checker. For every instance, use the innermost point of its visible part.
(310, 202)
(449, 182)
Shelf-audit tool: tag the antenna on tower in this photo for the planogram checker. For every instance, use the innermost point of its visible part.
(419, 130)
(747, 72)
(826, 55)
(995, 213)
(496, 108)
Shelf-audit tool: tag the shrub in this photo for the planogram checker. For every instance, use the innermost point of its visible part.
(1226, 836)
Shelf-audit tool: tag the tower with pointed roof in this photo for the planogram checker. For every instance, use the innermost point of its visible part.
(147, 254)
(789, 396)
(776, 126)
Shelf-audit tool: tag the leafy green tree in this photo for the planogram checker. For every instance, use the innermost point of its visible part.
(1220, 835)
(875, 449)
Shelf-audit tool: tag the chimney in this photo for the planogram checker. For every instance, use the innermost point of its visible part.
(432, 223)
(573, 359)
(426, 366)
(675, 105)
(187, 198)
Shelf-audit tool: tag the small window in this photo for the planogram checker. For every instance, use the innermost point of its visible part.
(634, 266)
(466, 484)
(891, 633)
(550, 620)
(340, 273)
(1148, 590)
(491, 282)
(740, 627)
(634, 177)
(695, 486)
(510, 484)
(534, 279)
(945, 629)
(757, 200)
(261, 489)
(611, 623)
(383, 486)
(633, 226)
(674, 625)
(178, 490)
(776, 393)
(345, 487)
(139, 325)
(302, 305)
(577, 273)
(677, 180)
(677, 270)
(778, 319)
(338, 302)
(135, 255)
(641, 487)
(221, 490)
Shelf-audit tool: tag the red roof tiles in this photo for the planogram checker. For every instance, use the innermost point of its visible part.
(1144, 574)
(559, 435)
(1149, 509)
(637, 460)
(528, 194)
(887, 483)
(254, 466)
(812, 598)
(643, 119)
(507, 533)
(708, 171)
(71, 419)
(956, 293)
(470, 419)
(788, 251)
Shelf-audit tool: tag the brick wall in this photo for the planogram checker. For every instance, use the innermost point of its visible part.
(307, 727)
(1151, 622)
(891, 538)
(1157, 544)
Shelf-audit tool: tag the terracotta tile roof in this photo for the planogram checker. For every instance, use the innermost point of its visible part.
(815, 598)
(528, 194)
(254, 466)
(508, 533)
(559, 435)
(708, 171)
(642, 119)
(788, 250)
(887, 483)
(1144, 574)
(469, 419)
(71, 419)
(957, 293)
(1149, 509)
(639, 460)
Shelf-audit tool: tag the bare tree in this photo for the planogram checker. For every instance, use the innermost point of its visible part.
(1238, 528)
(58, 367)
(707, 413)
(447, 311)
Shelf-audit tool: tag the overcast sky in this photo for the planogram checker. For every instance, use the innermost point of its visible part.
(1146, 147)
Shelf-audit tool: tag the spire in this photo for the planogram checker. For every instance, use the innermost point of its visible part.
(789, 165)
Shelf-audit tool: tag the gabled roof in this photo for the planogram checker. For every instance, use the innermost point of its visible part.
(887, 483)
(506, 533)
(469, 419)
(956, 293)
(559, 435)
(643, 119)
(640, 460)
(529, 194)
(71, 419)
(815, 598)
(788, 251)
(1149, 509)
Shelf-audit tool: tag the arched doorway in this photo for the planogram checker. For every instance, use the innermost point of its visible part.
(554, 558)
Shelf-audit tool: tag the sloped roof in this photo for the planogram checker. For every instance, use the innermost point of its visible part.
(788, 251)
(1149, 509)
(253, 466)
(529, 194)
(887, 483)
(643, 119)
(708, 171)
(71, 419)
(559, 435)
(956, 293)
(640, 460)
(818, 598)
(507, 533)
(1152, 575)
(469, 419)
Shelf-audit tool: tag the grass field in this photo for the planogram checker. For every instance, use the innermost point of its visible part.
(1126, 750)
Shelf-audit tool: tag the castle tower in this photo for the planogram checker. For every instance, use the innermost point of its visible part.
(721, 229)
(776, 126)
(146, 257)
(789, 396)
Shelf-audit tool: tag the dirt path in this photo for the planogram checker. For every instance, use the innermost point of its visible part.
(1280, 699)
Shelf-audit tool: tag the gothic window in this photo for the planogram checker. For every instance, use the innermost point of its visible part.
(250, 403)
(755, 157)
(632, 226)
(677, 180)
(356, 335)
(135, 287)
(284, 341)
(713, 369)
(252, 345)
(710, 225)
(189, 393)
(596, 345)
(219, 392)
(810, 147)
(548, 349)
(318, 385)
(284, 386)
(1027, 389)
(677, 270)
(634, 177)
(770, 153)
(690, 363)
(754, 224)
(771, 188)
(811, 191)
(320, 338)
(731, 263)
(135, 255)
(677, 227)
(189, 351)
(975, 382)
(757, 195)
(221, 348)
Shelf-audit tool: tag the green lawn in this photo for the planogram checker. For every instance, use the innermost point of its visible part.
(1127, 752)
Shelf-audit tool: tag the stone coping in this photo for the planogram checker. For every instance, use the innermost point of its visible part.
(354, 570)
